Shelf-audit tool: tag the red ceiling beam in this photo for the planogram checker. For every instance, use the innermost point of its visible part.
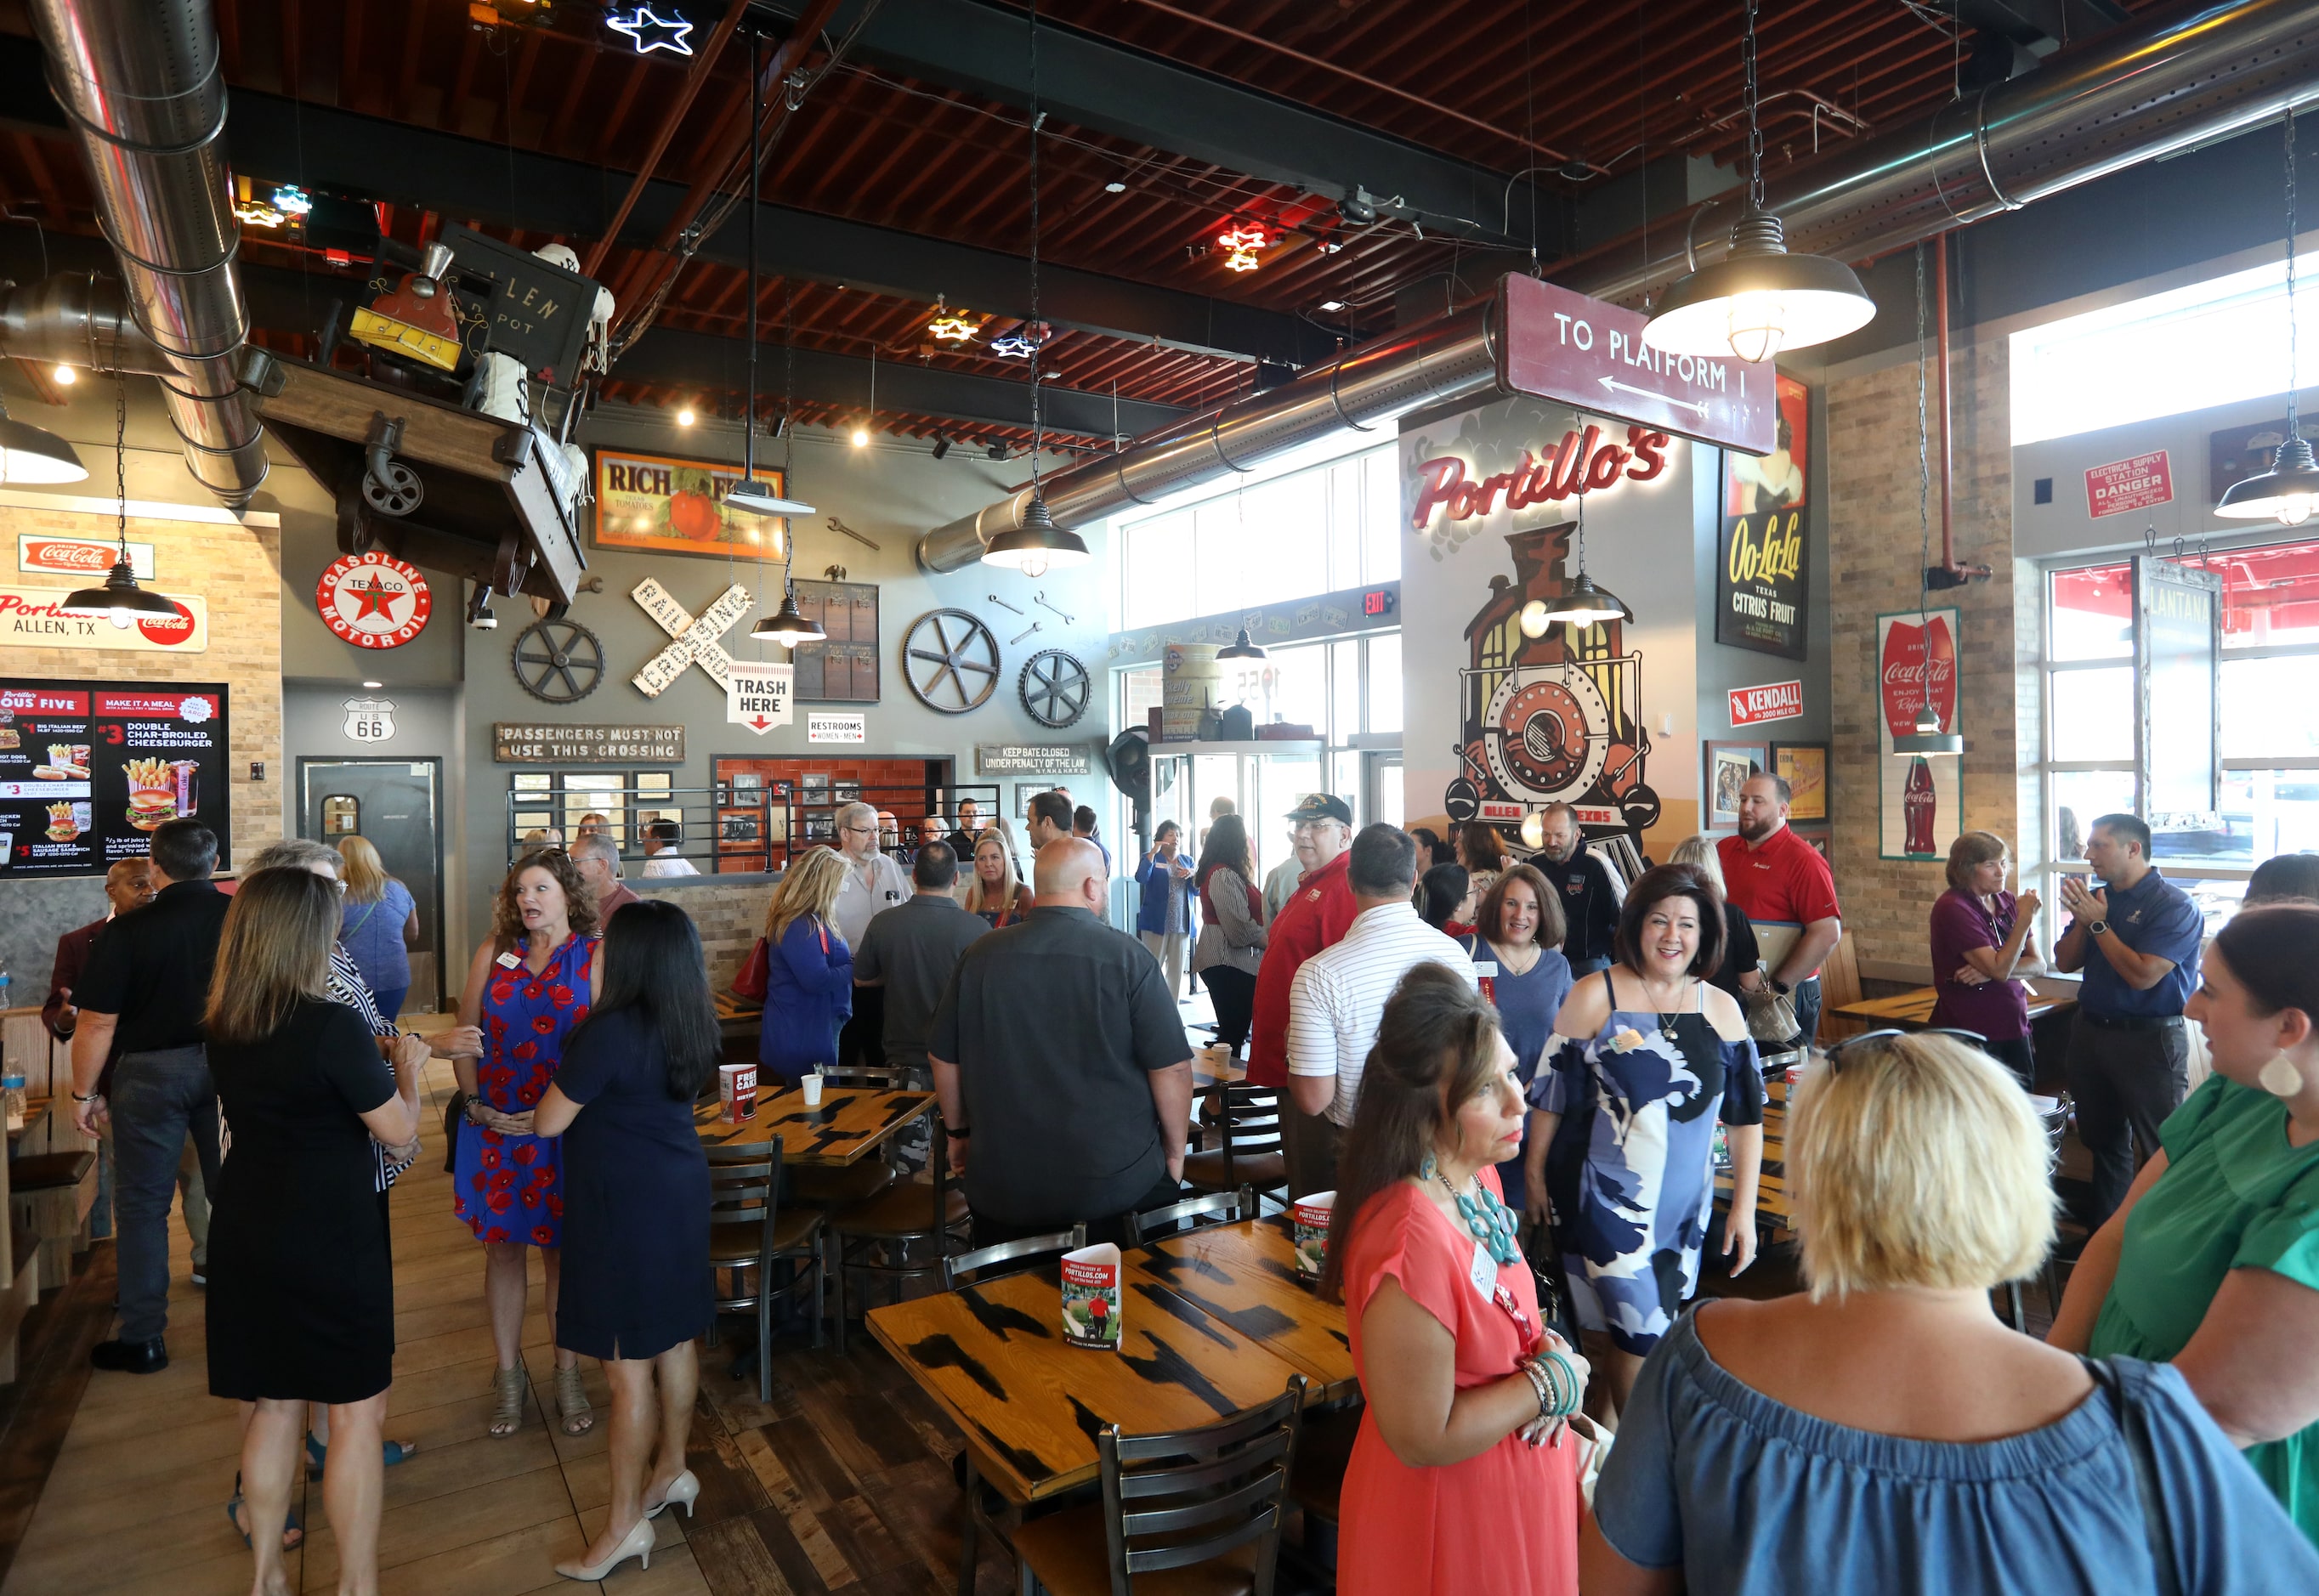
(702, 64)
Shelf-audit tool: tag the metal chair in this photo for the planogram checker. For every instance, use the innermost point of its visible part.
(1248, 1120)
(962, 1268)
(907, 1211)
(831, 1189)
(747, 1229)
(1174, 1500)
(1229, 1207)
(2056, 1121)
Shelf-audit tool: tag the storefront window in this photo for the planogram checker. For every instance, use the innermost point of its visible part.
(2093, 614)
(2093, 713)
(1384, 683)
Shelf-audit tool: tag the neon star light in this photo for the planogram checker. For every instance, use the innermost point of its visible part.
(292, 201)
(952, 327)
(648, 31)
(1241, 245)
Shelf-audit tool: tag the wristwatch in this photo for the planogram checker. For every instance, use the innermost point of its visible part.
(2096, 928)
(1781, 986)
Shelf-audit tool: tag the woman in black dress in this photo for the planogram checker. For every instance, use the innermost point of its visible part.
(301, 1305)
(637, 1288)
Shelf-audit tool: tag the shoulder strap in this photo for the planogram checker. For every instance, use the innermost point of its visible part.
(2156, 1527)
(1610, 984)
(364, 920)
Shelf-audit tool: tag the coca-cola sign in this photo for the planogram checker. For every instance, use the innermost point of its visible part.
(80, 556)
(1903, 670)
(1920, 796)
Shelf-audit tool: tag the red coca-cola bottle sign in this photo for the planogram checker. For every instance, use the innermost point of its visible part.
(1903, 669)
(1917, 804)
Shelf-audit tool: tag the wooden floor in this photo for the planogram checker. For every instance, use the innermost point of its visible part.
(842, 1483)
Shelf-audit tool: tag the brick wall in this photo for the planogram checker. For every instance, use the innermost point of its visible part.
(1873, 565)
(728, 912)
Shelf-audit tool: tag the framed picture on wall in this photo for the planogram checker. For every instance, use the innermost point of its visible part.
(1820, 837)
(1804, 767)
(1726, 767)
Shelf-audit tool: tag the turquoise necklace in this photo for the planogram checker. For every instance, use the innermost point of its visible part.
(1487, 1219)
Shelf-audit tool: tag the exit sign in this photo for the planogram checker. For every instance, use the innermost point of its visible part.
(1377, 601)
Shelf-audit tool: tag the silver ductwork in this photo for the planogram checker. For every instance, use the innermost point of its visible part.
(78, 319)
(2181, 77)
(142, 85)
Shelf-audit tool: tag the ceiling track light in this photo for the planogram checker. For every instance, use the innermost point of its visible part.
(2289, 491)
(1758, 300)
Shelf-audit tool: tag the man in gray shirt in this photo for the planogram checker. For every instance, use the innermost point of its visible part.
(912, 950)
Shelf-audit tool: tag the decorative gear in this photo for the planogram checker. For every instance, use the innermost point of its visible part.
(557, 660)
(1055, 688)
(941, 649)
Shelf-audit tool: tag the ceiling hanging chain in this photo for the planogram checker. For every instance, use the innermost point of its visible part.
(121, 459)
(2288, 492)
(1755, 131)
(1924, 477)
(2294, 366)
(1038, 336)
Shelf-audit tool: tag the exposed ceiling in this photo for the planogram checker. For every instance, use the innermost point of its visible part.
(1381, 146)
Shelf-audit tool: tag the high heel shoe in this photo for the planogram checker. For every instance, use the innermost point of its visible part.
(682, 1491)
(636, 1543)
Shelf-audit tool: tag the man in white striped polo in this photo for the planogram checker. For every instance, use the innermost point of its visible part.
(1340, 992)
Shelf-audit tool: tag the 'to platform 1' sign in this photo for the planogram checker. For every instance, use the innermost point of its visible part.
(373, 601)
(1590, 354)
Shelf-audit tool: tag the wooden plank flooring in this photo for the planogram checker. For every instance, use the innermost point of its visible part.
(116, 1483)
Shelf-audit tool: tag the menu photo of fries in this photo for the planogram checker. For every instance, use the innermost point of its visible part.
(68, 762)
(67, 821)
(152, 792)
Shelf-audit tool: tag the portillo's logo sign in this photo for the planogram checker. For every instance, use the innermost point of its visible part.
(1583, 464)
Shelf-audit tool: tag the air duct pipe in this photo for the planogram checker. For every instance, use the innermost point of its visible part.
(142, 83)
(2181, 77)
(77, 319)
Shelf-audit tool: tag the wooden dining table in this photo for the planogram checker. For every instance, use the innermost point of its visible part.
(1772, 1184)
(850, 1123)
(1913, 1011)
(1244, 1275)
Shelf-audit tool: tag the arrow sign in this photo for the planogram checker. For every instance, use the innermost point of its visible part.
(1590, 354)
(759, 697)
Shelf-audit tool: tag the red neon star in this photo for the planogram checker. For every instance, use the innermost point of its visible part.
(377, 598)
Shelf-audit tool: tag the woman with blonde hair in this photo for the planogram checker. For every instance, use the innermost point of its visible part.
(379, 926)
(1883, 1431)
(530, 983)
(1736, 974)
(301, 1301)
(997, 893)
(808, 969)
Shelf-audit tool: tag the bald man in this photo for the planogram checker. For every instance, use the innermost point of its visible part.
(1063, 1067)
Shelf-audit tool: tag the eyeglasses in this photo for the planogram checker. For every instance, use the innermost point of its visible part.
(1835, 1055)
(857, 830)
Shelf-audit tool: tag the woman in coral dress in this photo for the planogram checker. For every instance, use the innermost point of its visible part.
(528, 987)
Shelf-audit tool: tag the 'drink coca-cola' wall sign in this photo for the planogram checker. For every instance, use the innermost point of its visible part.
(1920, 797)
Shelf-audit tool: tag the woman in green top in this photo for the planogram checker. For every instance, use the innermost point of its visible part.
(2212, 1263)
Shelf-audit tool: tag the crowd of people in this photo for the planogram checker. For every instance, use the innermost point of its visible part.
(1526, 1071)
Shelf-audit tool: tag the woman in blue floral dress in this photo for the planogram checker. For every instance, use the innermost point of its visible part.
(528, 987)
(1657, 1056)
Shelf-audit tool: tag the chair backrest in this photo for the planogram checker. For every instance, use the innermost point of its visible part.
(744, 1183)
(1840, 984)
(861, 1079)
(1200, 1493)
(1227, 1207)
(1252, 1123)
(960, 1268)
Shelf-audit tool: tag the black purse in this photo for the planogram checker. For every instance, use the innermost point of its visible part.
(1556, 1308)
(453, 1112)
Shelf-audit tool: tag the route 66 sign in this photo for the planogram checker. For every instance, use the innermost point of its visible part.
(373, 601)
(369, 720)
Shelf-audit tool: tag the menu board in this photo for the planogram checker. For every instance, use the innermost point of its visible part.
(89, 769)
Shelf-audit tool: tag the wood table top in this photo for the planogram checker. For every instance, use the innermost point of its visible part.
(1913, 1011)
(1771, 1184)
(731, 1006)
(1031, 1405)
(847, 1125)
(1244, 1275)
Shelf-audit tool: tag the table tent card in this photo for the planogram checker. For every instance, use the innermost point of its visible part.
(1091, 1297)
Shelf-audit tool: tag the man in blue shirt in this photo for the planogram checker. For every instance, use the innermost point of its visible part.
(2137, 939)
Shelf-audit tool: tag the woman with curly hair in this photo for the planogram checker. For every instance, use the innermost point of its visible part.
(526, 988)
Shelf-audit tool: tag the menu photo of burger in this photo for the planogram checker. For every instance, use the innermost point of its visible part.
(152, 792)
(67, 821)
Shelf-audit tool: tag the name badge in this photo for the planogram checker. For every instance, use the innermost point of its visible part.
(509, 960)
(1485, 968)
(1483, 1273)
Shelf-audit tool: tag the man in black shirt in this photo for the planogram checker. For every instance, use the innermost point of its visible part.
(1062, 1067)
(145, 989)
(1589, 907)
(912, 950)
(970, 828)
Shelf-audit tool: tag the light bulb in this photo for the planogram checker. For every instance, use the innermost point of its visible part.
(1758, 325)
(1534, 621)
(2294, 509)
(121, 617)
(861, 437)
(66, 376)
(684, 417)
(1036, 565)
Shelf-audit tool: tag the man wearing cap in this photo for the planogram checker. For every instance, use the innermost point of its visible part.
(1315, 916)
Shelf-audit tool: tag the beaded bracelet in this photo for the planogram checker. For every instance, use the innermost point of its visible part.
(1538, 1384)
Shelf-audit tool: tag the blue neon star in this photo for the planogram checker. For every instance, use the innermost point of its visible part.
(649, 31)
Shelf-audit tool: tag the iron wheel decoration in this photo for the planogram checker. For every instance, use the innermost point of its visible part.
(942, 651)
(1055, 688)
(558, 661)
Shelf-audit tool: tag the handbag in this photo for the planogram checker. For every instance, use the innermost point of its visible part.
(454, 1110)
(1556, 1310)
(1770, 1014)
(751, 982)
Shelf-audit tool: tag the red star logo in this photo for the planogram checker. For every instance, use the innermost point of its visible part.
(377, 598)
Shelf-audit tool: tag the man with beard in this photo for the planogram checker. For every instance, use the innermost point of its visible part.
(1781, 882)
(1589, 907)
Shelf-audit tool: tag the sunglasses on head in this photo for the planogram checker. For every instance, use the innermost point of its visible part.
(1835, 1055)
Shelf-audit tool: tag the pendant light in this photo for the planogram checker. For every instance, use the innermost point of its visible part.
(785, 625)
(1926, 737)
(28, 454)
(1584, 604)
(1243, 647)
(2289, 491)
(119, 600)
(1758, 300)
(1038, 545)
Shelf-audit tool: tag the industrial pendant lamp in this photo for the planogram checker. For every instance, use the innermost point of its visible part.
(1038, 545)
(2289, 491)
(1927, 735)
(28, 454)
(1583, 605)
(1243, 647)
(119, 600)
(1758, 299)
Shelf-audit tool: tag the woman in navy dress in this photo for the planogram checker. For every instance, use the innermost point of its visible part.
(1656, 1056)
(1516, 947)
(635, 1210)
(808, 971)
(529, 986)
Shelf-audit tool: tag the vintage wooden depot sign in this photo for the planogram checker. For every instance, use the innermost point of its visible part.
(515, 743)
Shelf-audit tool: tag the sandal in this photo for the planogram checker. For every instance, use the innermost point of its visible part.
(507, 1418)
(318, 1454)
(291, 1527)
(571, 1401)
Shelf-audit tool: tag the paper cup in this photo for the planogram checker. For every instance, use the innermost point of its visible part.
(1311, 1216)
(812, 1085)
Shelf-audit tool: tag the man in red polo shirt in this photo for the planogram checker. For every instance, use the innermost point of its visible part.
(1315, 918)
(1778, 880)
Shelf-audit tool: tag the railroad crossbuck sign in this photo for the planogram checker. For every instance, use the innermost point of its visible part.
(696, 636)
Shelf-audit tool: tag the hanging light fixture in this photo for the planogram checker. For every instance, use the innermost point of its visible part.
(1243, 647)
(951, 327)
(2289, 491)
(1583, 605)
(1241, 245)
(30, 454)
(119, 600)
(1758, 299)
(1926, 736)
(1038, 545)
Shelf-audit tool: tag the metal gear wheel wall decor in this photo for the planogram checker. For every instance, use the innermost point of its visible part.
(1055, 688)
(951, 661)
(557, 660)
